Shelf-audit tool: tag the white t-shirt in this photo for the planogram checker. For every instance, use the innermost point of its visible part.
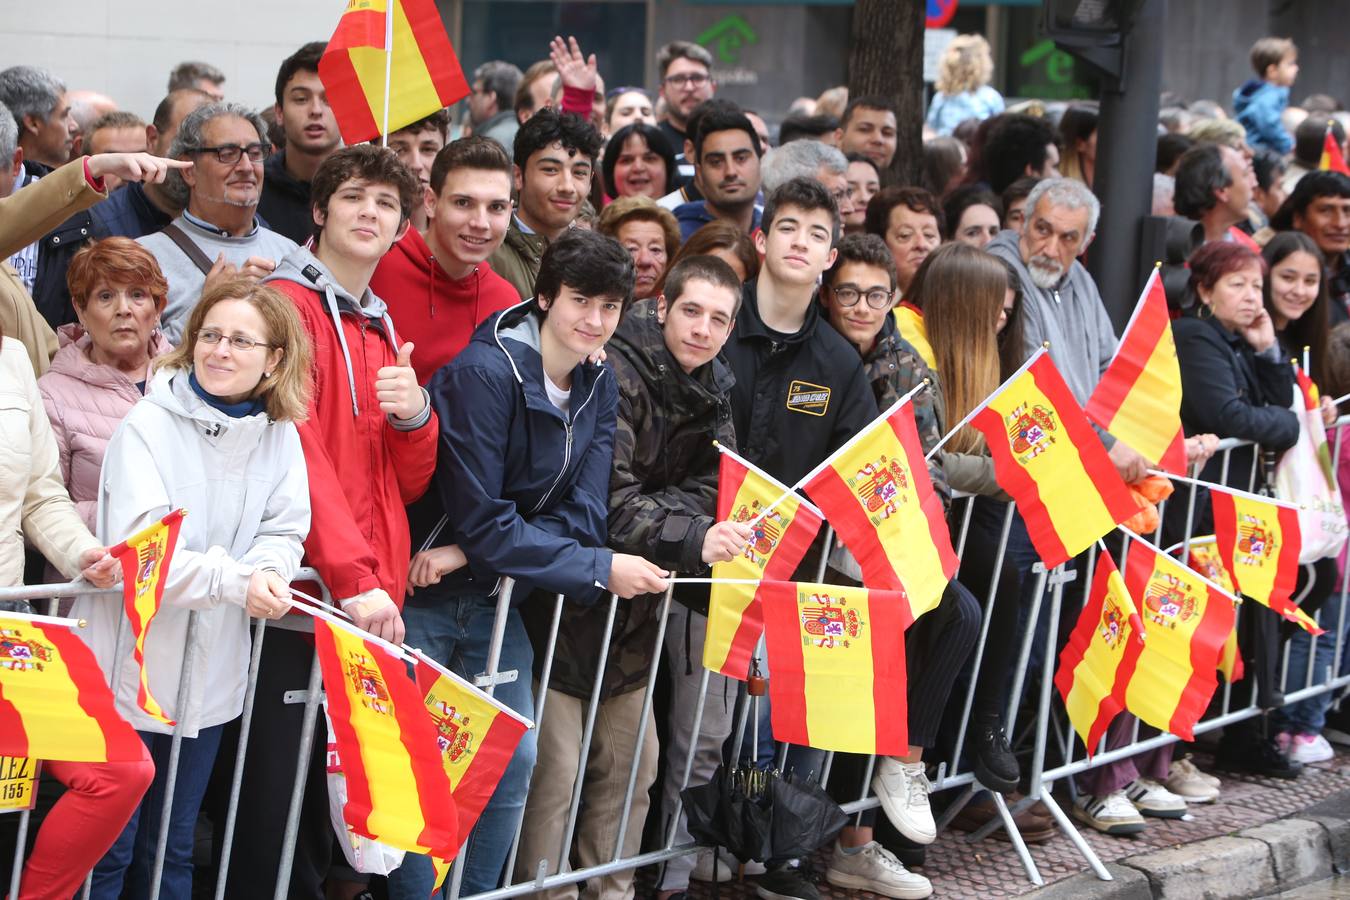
(557, 396)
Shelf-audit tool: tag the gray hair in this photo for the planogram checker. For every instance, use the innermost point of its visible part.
(9, 136)
(1070, 194)
(682, 50)
(500, 78)
(800, 159)
(188, 74)
(189, 139)
(30, 91)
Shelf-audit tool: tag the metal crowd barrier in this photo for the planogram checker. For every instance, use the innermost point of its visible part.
(1044, 730)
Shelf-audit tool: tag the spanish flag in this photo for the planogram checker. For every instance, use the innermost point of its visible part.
(476, 736)
(909, 319)
(1205, 560)
(1259, 544)
(423, 75)
(1333, 160)
(876, 492)
(837, 666)
(1049, 459)
(398, 792)
(784, 525)
(1186, 621)
(145, 558)
(54, 701)
(1092, 666)
(1138, 399)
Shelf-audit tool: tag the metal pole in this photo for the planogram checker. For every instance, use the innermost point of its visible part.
(175, 750)
(20, 844)
(689, 757)
(237, 779)
(302, 756)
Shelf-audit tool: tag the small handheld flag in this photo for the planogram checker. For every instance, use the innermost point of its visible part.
(1333, 160)
(1259, 545)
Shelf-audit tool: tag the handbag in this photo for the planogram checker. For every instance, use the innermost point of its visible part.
(1304, 476)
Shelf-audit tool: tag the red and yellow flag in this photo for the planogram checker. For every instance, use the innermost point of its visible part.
(1205, 560)
(1333, 160)
(476, 736)
(781, 538)
(145, 558)
(1092, 674)
(54, 699)
(1259, 544)
(1138, 399)
(398, 792)
(1186, 621)
(837, 666)
(1049, 459)
(909, 319)
(876, 492)
(424, 74)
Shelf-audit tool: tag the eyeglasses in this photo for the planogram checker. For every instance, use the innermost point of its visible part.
(212, 337)
(849, 296)
(228, 154)
(697, 79)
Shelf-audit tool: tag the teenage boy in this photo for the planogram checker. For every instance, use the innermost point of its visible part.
(439, 284)
(416, 146)
(311, 130)
(554, 163)
(368, 416)
(526, 448)
(727, 152)
(800, 390)
(1259, 104)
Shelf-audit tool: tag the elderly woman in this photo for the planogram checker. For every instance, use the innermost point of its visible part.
(216, 435)
(639, 162)
(649, 233)
(104, 361)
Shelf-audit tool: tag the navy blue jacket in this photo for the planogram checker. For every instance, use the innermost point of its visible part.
(525, 489)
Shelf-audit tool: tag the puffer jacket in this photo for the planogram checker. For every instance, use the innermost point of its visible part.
(1258, 106)
(33, 499)
(244, 485)
(517, 259)
(86, 402)
(662, 500)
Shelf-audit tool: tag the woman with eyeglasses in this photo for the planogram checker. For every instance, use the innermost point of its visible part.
(215, 435)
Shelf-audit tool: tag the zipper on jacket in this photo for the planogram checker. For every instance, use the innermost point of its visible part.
(567, 450)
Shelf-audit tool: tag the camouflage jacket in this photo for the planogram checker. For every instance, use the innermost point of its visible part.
(893, 368)
(517, 259)
(662, 498)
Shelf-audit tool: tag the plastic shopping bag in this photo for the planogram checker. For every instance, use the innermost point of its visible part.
(1304, 476)
(363, 854)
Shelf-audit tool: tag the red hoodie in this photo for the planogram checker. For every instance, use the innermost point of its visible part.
(437, 313)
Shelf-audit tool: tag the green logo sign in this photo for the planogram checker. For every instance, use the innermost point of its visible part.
(727, 37)
(1048, 72)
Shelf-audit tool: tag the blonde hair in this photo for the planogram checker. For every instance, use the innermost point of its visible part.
(966, 65)
(285, 394)
(960, 290)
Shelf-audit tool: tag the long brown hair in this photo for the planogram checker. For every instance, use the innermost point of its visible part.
(960, 290)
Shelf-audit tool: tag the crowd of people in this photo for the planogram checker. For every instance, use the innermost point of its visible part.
(426, 368)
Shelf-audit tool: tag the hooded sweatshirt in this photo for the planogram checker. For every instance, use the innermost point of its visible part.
(364, 466)
(434, 311)
(243, 483)
(1258, 106)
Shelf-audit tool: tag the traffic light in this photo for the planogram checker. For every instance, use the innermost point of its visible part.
(1092, 30)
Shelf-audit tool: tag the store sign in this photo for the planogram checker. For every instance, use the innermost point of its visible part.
(1046, 72)
(725, 40)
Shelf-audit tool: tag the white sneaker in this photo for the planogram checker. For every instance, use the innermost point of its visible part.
(751, 867)
(1152, 799)
(903, 790)
(1109, 814)
(874, 868)
(1310, 748)
(703, 867)
(1190, 784)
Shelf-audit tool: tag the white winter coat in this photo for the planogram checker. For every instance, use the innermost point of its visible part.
(243, 483)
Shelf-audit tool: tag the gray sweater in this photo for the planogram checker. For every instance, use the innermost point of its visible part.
(1071, 317)
(185, 279)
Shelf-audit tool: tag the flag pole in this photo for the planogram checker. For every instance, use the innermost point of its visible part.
(331, 619)
(44, 620)
(1273, 501)
(421, 658)
(987, 400)
(848, 444)
(388, 66)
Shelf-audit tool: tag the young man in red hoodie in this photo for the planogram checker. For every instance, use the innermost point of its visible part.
(439, 284)
(370, 448)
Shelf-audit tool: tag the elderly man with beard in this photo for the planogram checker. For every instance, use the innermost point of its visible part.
(218, 235)
(1061, 303)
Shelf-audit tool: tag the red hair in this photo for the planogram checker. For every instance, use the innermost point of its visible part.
(115, 260)
(1214, 260)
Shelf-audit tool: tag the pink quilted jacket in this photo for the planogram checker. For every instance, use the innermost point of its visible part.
(86, 402)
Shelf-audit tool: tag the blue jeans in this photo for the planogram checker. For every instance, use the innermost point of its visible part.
(132, 855)
(456, 634)
(1310, 716)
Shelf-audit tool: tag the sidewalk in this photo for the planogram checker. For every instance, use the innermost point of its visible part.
(1168, 858)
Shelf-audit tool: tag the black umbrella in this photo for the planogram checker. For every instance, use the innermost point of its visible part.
(761, 815)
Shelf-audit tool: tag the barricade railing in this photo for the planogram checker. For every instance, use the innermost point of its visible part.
(1054, 754)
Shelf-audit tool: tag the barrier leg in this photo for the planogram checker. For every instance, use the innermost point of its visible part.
(302, 755)
(175, 749)
(237, 779)
(20, 844)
